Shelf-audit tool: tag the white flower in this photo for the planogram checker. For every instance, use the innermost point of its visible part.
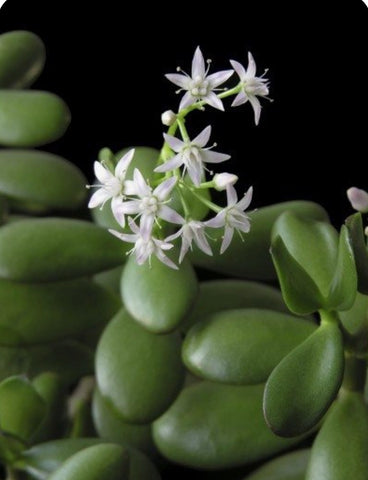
(192, 155)
(252, 86)
(145, 245)
(358, 199)
(233, 216)
(149, 204)
(222, 180)
(199, 86)
(192, 230)
(168, 118)
(113, 185)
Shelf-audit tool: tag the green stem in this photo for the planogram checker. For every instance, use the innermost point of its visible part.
(328, 317)
(212, 206)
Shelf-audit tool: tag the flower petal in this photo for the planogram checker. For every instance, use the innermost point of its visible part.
(187, 100)
(102, 174)
(218, 221)
(166, 260)
(240, 70)
(165, 188)
(178, 79)
(173, 163)
(232, 196)
(216, 79)
(201, 140)
(209, 156)
(99, 197)
(174, 236)
(202, 242)
(116, 204)
(125, 237)
(241, 98)
(174, 142)
(185, 246)
(170, 215)
(252, 68)
(130, 207)
(245, 201)
(123, 164)
(198, 65)
(195, 172)
(129, 188)
(146, 225)
(143, 190)
(256, 107)
(228, 236)
(213, 100)
(133, 226)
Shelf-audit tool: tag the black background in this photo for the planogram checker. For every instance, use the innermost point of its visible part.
(311, 142)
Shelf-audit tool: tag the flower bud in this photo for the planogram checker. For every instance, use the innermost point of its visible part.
(358, 199)
(168, 118)
(222, 180)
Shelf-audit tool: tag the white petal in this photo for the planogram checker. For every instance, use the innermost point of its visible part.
(123, 164)
(173, 163)
(198, 65)
(143, 190)
(99, 197)
(256, 107)
(209, 156)
(185, 245)
(251, 70)
(101, 173)
(116, 204)
(130, 188)
(232, 196)
(202, 242)
(202, 139)
(245, 201)
(125, 237)
(165, 188)
(170, 215)
(130, 207)
(228, 236)
(216, 79)
(146, 225)
(195, 172)
(178, 79)
(133, 226)
(187, 100)
(174, 142)
(213, 100)
(162, 245)
(166, 260)
(174, 236)
(240, 70)
(240, 99)
(218, 221)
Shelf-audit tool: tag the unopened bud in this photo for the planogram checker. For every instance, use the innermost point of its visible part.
(222, 180)
(358, 199)
(168, 118)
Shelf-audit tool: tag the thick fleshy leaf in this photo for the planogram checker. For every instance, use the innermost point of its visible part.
(22, 409)
(356, 318)
(358, 240)
(110, 280)
(54, 310)
(111, 428)
(250, 258)
(52, 249)
(43, 178)
(139, 372)
(212, 426)
(158, 297)
(303, 386)
(22, 58)
(291, 466)
(20, 127)
(340, 449)
(242, 346)
(3, 210)
(14, 361)
(99, 462)
(218, 295)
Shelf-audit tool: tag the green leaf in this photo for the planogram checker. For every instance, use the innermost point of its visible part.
(291, 466)
(340, 449)
(22, 409)
(43, 178)
(158, 297)
(302, 387)
(139, 372)
(212, 426)
(250, 258)
(22, 58)
(20, 127)
(52, 249)
(354, 224)
(242, 346)
(356, 318)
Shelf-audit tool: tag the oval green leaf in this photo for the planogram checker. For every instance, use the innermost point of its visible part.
(52, 249)
(291, 466)
(139, 372)
(212, 426)
(41, 177)
(242, 346)
(22, 58)
(20, 127)
(158, 297)
(302, 387)
(340, 449)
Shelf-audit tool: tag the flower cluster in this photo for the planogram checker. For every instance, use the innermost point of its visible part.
(142, 209)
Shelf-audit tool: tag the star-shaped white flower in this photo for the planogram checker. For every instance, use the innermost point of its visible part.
(112, 185)
(145, 245)
(199, 86)
(253, 86)
(150, 204)
(192, 155)
(232, 217)
(189, 232)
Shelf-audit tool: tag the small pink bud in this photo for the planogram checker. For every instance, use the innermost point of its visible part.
(358, 199)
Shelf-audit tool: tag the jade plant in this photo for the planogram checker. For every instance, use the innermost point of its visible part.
(116, 362)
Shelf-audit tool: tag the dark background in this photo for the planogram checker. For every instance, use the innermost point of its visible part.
(311, 142)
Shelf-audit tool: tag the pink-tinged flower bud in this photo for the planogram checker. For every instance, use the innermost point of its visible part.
(358, 199)
(222, 180)
(168, 118)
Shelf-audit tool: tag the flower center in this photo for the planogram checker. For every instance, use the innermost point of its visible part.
(199, 87)
(149, 204)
